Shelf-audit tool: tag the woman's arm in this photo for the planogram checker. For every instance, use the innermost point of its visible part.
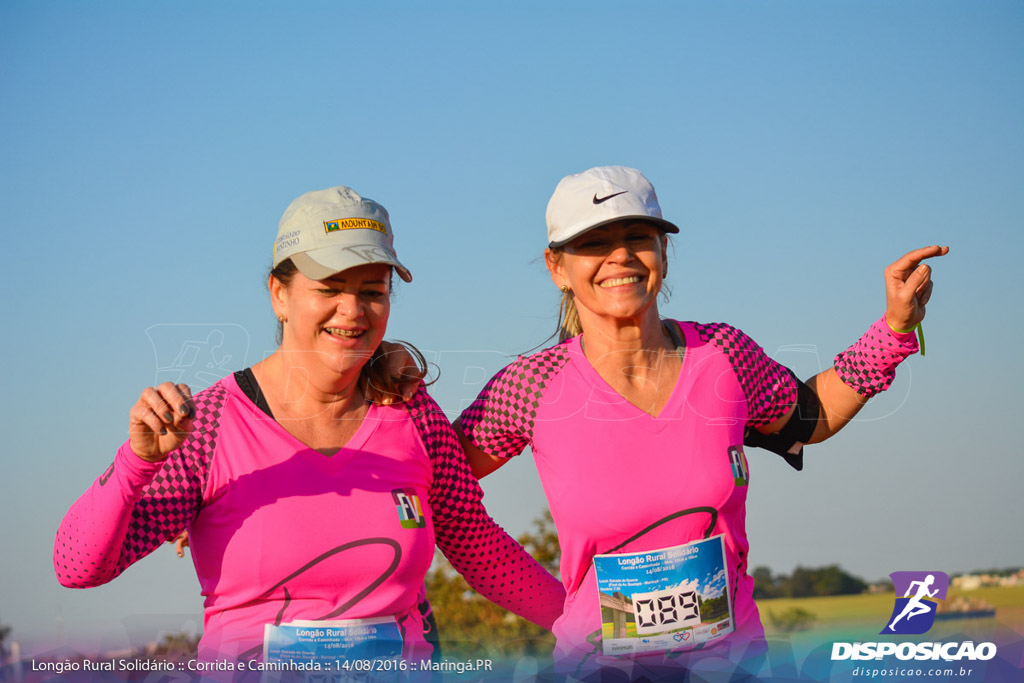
(869, 365)
(491, 561)
(144, 498)
(480, 462)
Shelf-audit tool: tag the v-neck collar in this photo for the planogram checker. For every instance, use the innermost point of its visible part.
(366, 428)
(678, 337)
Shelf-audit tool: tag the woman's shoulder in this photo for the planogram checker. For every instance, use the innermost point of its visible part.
(213, 397)
(542, 362)
(211, 405)
(428, 419)
(724, 335)
(706, 330)
(418, 405)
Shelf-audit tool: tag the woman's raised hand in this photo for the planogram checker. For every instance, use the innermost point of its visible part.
(908, 287)
(160, 420)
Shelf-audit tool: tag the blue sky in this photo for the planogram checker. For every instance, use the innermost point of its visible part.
(148, 150)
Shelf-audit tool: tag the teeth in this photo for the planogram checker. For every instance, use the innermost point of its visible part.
(615, 282)
(338, 332)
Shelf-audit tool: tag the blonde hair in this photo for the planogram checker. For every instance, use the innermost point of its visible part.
(569, 324)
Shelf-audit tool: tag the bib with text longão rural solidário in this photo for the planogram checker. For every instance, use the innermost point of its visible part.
(332, 642)
(668, 599)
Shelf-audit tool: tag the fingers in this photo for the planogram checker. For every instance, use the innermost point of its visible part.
(908, 287)
(178, 399)
(170, 405)
(906, 264)
(160, 419)
(410, 387)
(186, 406)
(925, 294)
(403, 371)
(918, 278)
(143, 415)
(411, 377)
(180, 543)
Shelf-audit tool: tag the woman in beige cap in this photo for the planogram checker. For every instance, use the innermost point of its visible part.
(310, 510)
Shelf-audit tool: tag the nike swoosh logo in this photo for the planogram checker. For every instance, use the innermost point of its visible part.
(604, 199)
(106, 475)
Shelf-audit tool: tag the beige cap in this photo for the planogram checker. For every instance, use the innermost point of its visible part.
(327, 231)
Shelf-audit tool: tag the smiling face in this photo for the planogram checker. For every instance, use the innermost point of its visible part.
(341, 320)
(615, 270)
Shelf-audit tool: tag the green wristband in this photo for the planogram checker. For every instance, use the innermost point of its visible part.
(916, 328)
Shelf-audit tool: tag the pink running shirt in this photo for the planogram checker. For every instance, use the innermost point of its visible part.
(619, 480)
(279, 532)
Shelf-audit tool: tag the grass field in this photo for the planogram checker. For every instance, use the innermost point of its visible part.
(865, 614)
(608, 630)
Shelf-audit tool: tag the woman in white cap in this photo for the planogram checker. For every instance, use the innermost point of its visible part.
(638, 426)
(307, 506)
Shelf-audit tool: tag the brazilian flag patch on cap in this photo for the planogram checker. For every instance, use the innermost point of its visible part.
(354, 224)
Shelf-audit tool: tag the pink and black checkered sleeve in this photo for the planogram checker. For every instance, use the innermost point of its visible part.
(769, 386)
(869, 365)
(500, 420)
(135, 506)
(490, 560)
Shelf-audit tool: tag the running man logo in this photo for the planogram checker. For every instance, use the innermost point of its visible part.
(353, 224)
(914, 613)
(739, 465)
(410, 512)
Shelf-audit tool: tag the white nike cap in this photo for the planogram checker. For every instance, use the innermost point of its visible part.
(601, 195)
(327, 231)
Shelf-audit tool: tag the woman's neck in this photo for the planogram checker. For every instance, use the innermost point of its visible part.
(639, 361)
(617, 338)
(301, 390)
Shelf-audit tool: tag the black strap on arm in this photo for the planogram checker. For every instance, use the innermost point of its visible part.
(789, 441)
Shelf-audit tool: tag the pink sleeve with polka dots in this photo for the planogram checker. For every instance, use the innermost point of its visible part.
(869, 366)
(135, 505)
(493, 563)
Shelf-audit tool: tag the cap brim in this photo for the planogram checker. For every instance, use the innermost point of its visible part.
(661, 223)
(321, 264)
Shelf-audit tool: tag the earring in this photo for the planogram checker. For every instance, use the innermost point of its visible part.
(281, 319)
(565, 289)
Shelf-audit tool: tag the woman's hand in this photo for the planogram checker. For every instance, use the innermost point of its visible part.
(180, 542)
(160, 420)
(908, 287)
(400, 377)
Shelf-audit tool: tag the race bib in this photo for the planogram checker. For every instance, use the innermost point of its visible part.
(330, 643)
(667, 599)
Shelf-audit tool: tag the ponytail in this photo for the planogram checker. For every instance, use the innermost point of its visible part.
(569, 325)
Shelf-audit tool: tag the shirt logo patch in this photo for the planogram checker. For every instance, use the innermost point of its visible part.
(353, 224)
(410, 512)
(739, 466)
(105, 477)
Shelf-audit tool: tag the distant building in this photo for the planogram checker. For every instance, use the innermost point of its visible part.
(970, 582)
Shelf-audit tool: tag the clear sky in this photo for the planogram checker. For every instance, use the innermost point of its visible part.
(147, 151)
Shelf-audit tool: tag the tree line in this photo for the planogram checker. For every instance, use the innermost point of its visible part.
(806, 582)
